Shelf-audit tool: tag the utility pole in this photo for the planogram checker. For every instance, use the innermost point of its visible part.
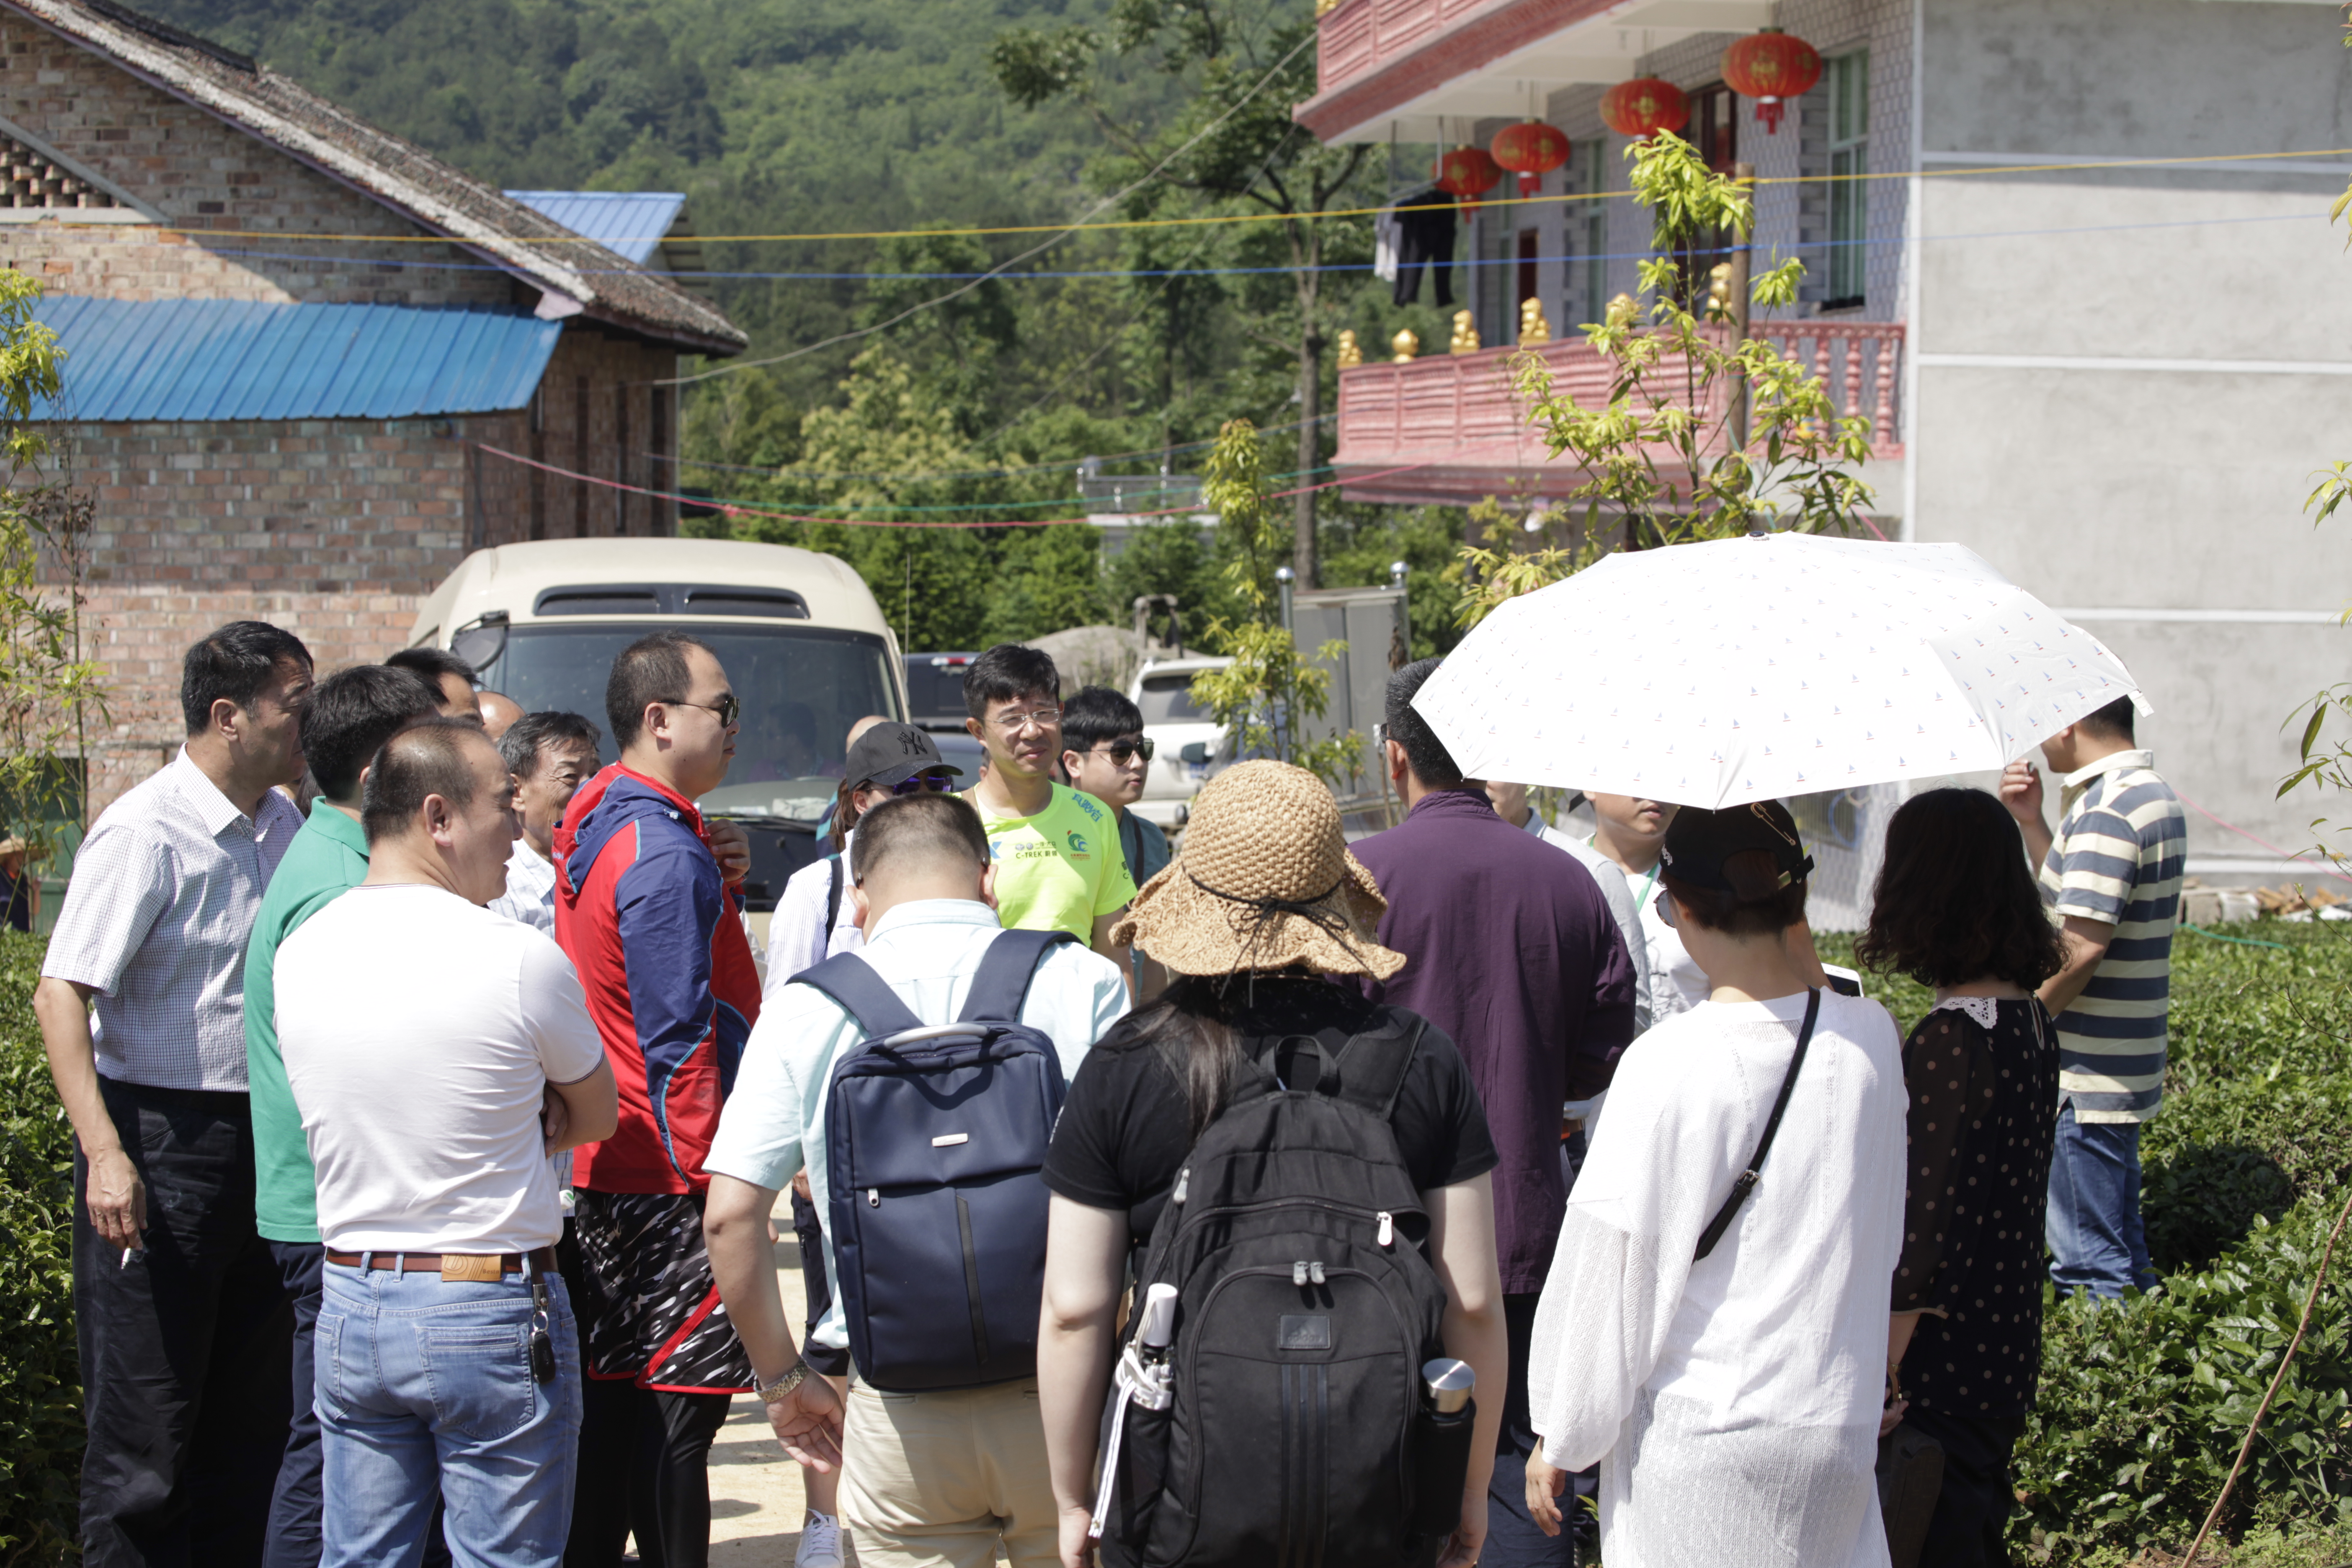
(1737, 287)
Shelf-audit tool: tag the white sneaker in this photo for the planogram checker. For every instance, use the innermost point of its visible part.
(820, 1542)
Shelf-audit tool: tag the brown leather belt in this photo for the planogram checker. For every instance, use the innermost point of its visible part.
(448, 1264)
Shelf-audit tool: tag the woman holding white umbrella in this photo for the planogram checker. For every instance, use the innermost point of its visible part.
(1714, 1330)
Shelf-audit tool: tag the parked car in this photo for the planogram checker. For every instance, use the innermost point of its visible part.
(935, 702)
(1186, 742)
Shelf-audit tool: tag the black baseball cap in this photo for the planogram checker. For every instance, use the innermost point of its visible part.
(1699, 843)
(892, 753)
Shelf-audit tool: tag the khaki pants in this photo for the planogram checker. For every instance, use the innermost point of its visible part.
(936, 1480)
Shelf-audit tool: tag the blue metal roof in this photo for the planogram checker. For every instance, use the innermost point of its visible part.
(229, 359)
(631, 223)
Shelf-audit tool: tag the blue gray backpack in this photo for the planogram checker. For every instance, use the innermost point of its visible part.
(935, 1136)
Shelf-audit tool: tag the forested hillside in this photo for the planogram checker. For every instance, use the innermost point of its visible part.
(800, 117)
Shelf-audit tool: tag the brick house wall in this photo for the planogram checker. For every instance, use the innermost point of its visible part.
(334, 528)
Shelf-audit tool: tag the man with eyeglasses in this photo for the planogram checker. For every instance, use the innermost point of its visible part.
(644, 910)
(1058, 865)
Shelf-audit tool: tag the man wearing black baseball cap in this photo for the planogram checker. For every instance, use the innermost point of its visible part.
(1742, 1204)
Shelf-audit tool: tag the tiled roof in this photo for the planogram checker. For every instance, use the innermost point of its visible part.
(239, 359)
(403, 176)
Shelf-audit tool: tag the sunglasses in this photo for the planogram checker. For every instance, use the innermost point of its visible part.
(1122, 753)
(1664, 904)
(727, 708)
(936, 784)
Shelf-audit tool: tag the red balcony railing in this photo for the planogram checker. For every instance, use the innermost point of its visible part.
(1452, 428)
(1357, 37)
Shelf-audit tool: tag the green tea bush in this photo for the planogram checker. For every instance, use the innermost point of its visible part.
(40, 1382)
(2143, 1403)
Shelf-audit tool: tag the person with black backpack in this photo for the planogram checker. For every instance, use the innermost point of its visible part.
(1299, 1177)
(916, 1081)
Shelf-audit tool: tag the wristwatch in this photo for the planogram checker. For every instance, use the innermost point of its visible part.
(781, 1387)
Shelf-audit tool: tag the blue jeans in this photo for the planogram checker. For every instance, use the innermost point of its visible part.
(422, 1381)
(2097, 1241)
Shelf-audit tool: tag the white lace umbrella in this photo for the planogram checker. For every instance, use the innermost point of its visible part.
(1744, 669)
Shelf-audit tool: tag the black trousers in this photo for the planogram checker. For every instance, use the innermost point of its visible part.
(185, 1349)
(1513, 1538)
(295, 1512)
(1972, 1510)
(644, 1467)
(644, 1470)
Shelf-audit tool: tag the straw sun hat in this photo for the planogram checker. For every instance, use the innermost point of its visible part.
(1265, 882)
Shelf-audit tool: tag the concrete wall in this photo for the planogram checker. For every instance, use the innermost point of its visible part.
(2125, 377)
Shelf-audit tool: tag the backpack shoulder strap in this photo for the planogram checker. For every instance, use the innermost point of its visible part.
(849, 980)
(833, 898)
(1001, 986)
(1748, 1178)
(1372, 1067)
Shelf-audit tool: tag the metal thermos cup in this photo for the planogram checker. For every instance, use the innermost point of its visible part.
(1450, 1384)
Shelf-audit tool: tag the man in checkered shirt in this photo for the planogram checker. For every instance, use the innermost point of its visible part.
(183, 1319)
(2111, 876)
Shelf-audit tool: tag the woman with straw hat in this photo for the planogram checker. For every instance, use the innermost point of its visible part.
(1260, 910)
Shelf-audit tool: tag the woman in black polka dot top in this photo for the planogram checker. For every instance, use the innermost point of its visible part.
(1956, 909)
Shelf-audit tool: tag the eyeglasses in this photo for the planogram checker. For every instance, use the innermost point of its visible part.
(1664, 905)
(1123, 751)
(729, 708)
(1038, 718)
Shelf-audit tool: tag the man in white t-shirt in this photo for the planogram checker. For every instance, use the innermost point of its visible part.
(447, 1358)
(1631, 831)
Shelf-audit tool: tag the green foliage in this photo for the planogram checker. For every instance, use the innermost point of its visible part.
(40, 1395)
(2143, 1403)
(1268, 697)
(47, 688)
(1704, 433)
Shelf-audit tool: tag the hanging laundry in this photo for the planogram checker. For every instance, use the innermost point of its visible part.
(1387, 233)
(1426, 236)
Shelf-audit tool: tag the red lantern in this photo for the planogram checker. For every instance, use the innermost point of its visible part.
(1771, 66)
(1467, 173)
(1531, 151)
(1643, 107)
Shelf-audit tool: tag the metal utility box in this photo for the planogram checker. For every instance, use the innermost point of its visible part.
(1371, 622)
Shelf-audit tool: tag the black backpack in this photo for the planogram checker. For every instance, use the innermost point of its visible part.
(1307, 1305)
(936, 1135)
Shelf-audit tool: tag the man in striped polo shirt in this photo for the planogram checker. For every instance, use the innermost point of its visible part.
(2113, 877)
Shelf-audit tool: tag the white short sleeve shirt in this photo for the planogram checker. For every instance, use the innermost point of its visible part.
(165, 893)
(420, 1033)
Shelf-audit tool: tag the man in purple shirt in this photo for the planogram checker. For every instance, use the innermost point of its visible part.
(1514, 955)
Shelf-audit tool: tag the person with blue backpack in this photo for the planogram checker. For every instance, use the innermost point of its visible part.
(916, 1081)
(1298, 1176)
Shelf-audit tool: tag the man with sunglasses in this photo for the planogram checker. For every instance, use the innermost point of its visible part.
(1058, 862)
(643, 911)
(1106, 754)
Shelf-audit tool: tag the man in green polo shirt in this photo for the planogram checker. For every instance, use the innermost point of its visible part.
(1058, 861)
(350, 716)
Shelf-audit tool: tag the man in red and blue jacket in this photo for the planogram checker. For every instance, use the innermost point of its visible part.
(645, 914)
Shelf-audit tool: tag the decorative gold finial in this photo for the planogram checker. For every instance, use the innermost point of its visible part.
(1407, 343)
(1350, 356)
(1466, 334)
(1533, 327)
(1325, 7)
(1623, 309)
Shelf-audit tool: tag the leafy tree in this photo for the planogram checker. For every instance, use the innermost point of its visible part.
(48, 689)
(1267, 699)
(1235, 145)
(1704, 433)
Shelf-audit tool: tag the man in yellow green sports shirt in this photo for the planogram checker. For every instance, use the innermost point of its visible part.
(1058, 863)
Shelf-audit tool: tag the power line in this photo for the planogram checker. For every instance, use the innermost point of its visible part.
(979, 473)
(1085, 225)
(1465, 262)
